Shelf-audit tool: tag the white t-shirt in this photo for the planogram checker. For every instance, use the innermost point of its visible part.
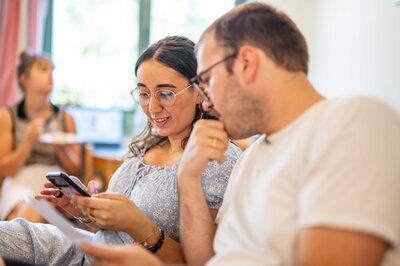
(337, 165)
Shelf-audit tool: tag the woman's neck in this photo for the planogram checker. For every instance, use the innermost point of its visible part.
(173, 145)
(37, 107)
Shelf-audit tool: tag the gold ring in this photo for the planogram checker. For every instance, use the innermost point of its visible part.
(213, 143)
(91, 212)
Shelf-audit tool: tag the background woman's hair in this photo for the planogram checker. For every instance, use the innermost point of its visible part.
(175, 52)
(26, 61)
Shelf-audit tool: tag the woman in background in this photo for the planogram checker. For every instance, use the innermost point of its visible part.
(141, 202)
(24, 160)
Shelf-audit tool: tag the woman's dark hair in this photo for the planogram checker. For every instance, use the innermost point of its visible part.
(175, 52)
(26, 61)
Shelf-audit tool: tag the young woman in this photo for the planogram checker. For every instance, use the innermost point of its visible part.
(24, 160)
(141, 204)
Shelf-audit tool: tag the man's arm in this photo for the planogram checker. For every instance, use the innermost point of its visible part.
(328, 246)
(196, 221)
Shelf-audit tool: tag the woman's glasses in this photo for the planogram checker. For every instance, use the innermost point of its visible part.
(165, 97)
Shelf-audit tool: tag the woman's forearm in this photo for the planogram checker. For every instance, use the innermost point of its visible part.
(146, 230)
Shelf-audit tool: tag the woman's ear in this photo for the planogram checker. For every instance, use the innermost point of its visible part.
(22, 79)
(199, 99)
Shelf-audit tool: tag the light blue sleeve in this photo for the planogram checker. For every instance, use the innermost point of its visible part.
(215, 178)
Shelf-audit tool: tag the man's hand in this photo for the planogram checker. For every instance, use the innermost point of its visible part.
(120, 255)
(208, 141)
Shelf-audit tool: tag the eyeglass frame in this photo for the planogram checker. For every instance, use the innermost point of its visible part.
(197, 79)
(155, 94)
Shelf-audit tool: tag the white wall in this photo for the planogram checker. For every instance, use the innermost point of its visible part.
(354, 45)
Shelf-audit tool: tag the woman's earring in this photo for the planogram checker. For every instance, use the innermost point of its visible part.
(201, 111)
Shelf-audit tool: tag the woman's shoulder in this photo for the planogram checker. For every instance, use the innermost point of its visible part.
(5, 118)
(233, 151)
(232, 154)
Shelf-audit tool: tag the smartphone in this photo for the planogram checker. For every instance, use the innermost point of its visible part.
(66, 183)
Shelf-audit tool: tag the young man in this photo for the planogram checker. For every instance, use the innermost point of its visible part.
(320, 187)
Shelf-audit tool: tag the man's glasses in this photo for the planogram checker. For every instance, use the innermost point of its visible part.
(165, 97)
(196, 80)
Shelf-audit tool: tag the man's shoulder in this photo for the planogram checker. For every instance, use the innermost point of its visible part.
(348, 109)
(357, 103)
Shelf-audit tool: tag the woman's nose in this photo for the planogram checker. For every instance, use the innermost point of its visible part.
(154, 105)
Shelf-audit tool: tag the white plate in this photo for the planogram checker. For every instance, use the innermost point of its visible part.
(60, 138)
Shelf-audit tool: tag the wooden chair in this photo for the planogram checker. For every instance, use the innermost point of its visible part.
(98, 168)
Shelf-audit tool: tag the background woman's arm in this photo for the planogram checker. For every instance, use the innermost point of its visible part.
(11, 161)
(70, 156)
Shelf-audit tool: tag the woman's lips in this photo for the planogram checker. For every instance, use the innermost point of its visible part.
(160, 122)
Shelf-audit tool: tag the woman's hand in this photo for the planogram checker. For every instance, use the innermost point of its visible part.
(34, 130)
(54, 195)
(113, 211)
(120, 255)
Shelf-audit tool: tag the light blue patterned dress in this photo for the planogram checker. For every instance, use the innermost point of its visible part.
(153, 189)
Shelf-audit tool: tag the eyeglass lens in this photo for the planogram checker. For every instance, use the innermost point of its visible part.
(164, 97)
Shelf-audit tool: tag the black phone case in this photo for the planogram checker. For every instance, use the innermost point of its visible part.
(51, 176)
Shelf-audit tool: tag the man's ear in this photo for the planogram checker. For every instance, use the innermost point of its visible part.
(249, 62)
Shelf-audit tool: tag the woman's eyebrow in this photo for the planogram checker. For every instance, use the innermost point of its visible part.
(159, 86)
(141, 85)
(165, 85)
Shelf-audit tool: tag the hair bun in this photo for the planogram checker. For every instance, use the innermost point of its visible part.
(24, 56)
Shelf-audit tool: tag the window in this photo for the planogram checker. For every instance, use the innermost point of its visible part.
(94, 47)
(185, 17)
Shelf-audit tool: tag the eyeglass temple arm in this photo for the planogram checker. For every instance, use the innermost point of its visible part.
(200, 91)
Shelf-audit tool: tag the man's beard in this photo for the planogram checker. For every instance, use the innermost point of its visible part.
(242, 113)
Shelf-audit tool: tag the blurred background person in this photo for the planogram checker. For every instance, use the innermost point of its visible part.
(24, 159)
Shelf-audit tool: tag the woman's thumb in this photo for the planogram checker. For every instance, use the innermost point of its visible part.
(92, 187)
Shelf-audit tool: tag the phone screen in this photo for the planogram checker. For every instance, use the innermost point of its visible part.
(66, 184)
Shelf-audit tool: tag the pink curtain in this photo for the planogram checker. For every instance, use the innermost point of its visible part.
(37, 10)
(11, 34)
(9, 41)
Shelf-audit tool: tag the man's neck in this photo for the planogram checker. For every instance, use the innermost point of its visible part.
(289, 101)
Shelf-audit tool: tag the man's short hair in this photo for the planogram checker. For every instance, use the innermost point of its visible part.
(263, 26)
